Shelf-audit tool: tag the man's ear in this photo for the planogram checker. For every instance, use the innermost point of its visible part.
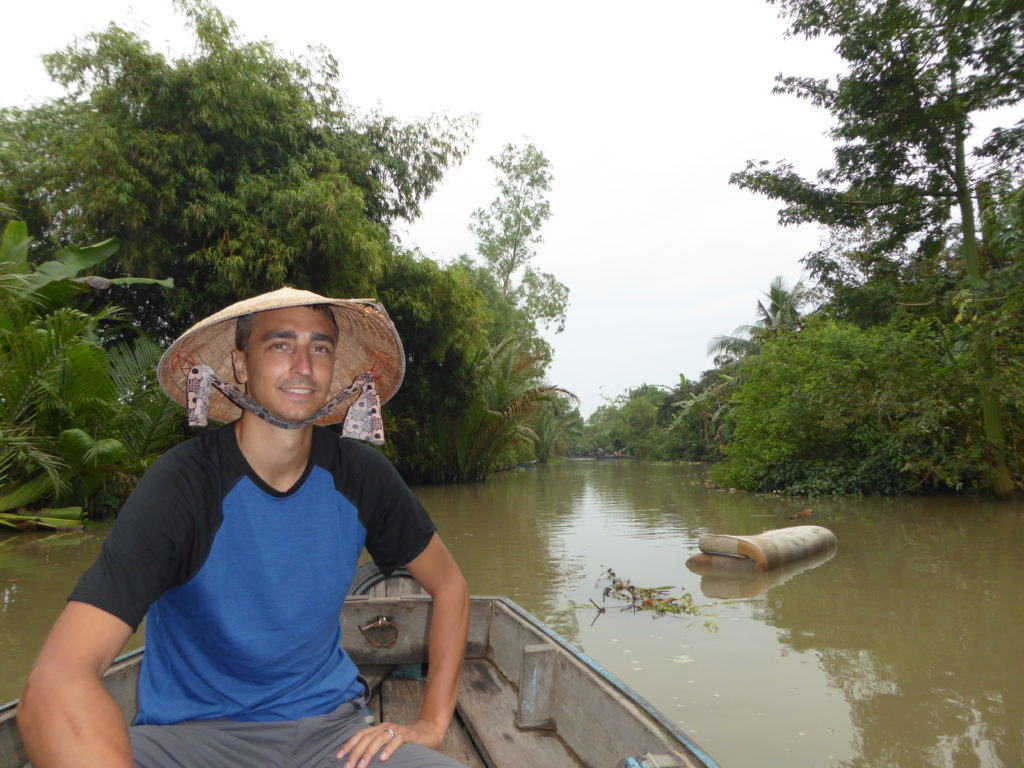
(238, 365)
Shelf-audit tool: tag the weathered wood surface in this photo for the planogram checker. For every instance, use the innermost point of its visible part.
(12, 754)
(487, 705)
(398, 585)
(401, 701)
(600, 723)
(401, 587)
(536, 686)
(374, 674)
(411, 615)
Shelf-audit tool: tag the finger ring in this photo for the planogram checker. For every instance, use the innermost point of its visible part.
(391, 732)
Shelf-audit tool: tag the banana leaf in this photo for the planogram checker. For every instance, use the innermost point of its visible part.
(61, 513)
(28, 492)
(69, 262)
(66, 520)
(14, 247)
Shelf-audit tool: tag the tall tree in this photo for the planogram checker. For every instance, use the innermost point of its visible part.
(509, 229)
(905, 180)
(232, 170)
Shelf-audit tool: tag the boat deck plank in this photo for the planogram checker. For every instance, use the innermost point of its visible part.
(401, 701)
(487, 704)
(374, 674)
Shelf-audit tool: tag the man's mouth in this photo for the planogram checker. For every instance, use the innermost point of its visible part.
(298, 391)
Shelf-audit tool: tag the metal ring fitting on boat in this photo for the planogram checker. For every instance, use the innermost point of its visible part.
(382, 625)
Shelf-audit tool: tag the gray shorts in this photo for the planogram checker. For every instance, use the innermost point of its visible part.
(310, 742)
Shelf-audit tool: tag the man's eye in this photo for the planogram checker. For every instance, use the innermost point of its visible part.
(279, 345)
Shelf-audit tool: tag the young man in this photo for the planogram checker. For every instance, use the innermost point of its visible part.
(240, 544)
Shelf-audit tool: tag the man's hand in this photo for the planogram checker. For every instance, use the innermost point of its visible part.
(385, 738)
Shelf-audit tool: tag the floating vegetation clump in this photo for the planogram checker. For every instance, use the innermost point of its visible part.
(657, 600)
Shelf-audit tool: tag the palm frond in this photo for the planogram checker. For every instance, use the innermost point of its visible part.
(131, 362)
(28, 492)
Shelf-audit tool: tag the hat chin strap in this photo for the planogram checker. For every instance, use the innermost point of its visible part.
(362, 422)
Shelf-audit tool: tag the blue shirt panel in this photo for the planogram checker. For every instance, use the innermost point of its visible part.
(255, 634)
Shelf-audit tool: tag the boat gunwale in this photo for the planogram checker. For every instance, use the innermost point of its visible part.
(608, 677)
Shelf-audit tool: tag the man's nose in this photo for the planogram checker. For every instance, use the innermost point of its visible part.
(302, 362)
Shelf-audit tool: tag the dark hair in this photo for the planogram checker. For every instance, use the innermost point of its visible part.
(243, 325)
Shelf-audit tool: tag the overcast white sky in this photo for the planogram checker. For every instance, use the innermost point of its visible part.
(643, 109)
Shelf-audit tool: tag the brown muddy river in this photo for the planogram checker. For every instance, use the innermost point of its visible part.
(903, 649)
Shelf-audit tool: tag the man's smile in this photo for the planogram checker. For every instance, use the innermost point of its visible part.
(302, 392)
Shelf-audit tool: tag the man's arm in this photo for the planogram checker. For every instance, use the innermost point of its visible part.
(438, 574)
(66, 717)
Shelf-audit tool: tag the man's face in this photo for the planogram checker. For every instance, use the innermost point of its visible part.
(288, 362)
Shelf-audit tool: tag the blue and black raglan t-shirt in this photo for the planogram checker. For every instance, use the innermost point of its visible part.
(243, 584)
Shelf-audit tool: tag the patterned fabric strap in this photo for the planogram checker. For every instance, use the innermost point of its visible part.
(362, 422)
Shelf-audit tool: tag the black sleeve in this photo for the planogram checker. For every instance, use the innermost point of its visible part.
(398, 528)
(148, 549)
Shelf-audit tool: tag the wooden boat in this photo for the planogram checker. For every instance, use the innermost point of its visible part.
(526, 698)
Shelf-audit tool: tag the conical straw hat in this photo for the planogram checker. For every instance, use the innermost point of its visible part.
(367, 342)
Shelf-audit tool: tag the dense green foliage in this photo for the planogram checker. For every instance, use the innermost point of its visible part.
(234, 170)
(648, 422)
(78, 422)
(556, 428)
(475, 398)
(838, 409)
(443, 322)
(816, 405)
(496, 416)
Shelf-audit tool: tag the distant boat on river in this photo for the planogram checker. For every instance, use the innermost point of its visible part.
(613, 455)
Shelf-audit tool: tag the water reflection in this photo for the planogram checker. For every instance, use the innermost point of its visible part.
(921, 632)
(743, 582)
(507, 535)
